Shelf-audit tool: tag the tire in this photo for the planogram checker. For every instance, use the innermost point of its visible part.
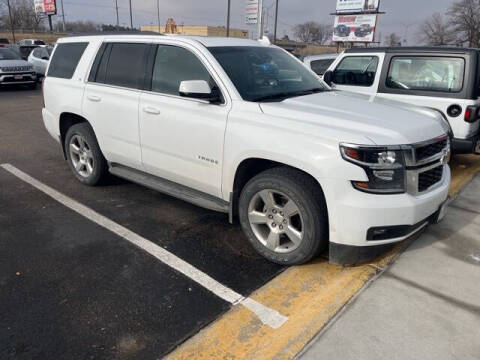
(307, 225)
(33, 86)
(84, 156)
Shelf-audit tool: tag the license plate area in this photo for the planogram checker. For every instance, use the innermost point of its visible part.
(18, 77)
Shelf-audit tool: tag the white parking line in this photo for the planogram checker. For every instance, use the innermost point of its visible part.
(268, 316)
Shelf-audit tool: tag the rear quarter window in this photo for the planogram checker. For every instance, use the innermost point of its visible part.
(65, 60)
(426, 73)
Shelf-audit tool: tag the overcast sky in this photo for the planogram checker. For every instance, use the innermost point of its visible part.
(403, 16)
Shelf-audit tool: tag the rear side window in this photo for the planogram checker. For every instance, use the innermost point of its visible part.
(420, 73)
(356, 71)
(126, 65)
(320, 66)
(65, 60)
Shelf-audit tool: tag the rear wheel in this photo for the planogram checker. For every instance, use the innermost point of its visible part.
(84, 155)
(283, 214)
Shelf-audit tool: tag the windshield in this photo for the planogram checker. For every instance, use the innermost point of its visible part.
(7, 54)
(39, 42)
(266, 73)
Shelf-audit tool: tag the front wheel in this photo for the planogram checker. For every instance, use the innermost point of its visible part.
(283, 214)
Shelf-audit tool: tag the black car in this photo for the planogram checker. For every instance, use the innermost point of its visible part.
(363, 30)
(342, 30)
(4, 41)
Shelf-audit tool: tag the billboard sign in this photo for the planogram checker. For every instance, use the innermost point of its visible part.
(354, 6)
(48, 7)
(354, 28)
(251, 12)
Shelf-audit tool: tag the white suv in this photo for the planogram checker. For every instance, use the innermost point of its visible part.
(244, 128)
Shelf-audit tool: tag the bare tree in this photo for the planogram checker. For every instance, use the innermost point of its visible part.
(313, 32)
(393, 40)
(435, 31)
(463, 15)
(23, 15)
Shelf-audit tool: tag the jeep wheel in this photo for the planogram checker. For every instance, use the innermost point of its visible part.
(84, 155)
(283, 214)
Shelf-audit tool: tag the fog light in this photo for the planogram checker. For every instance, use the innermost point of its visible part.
(386, 175)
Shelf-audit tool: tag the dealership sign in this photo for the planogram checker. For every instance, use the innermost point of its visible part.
(354, 28)
(251, 12)
(354, 6)
(47, 7)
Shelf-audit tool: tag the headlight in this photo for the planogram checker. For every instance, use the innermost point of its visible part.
(384, 166)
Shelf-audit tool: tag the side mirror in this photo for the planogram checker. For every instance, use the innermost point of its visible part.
(45, 58)
(198, 89)
(328, 77)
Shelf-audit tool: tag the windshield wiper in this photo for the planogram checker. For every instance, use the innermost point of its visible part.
(286, 95)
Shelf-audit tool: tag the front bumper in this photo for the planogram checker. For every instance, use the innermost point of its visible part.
(353, 215)
(466, 146)
(18, 78)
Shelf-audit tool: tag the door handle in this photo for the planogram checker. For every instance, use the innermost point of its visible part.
(94, 98)
(151, 110)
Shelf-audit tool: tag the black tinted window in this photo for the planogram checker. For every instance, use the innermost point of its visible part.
(320, 66)
(174, 65)
(126, 67)
(65, 60)
(356, 71)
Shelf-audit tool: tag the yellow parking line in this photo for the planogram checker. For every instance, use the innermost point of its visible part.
(464, 168)
(309, 295)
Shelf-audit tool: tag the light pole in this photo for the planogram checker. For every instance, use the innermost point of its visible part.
(118, 19)
(228, 19)
(276, 23)
(131, 16)
(11, 20)
(260, 19)
(158, 15)
(63, 17)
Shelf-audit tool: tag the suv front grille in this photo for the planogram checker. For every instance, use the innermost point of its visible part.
(429, 178)
(430, 150)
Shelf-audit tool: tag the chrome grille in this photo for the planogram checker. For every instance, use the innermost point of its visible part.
(427, 151)
(429, 178)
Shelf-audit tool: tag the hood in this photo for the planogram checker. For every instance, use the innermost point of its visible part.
(353, 118)
(14, 63)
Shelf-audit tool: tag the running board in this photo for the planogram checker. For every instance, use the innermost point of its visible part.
(185, 193)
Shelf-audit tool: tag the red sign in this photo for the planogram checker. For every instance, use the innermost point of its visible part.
(50, 7)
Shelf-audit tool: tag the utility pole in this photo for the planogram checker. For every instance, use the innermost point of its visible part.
(118, 19)
(63, 16)
(11, 21)
(131, 16)
(260, 19)
(228, 19)
(158, 16)
(276, 23)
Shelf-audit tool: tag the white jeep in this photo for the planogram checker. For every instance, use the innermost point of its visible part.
(244, 128)
(446, 79)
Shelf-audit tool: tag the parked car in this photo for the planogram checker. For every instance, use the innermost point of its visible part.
(15, 71)
(242, 127)
(319, 63)
(342, 30)
(39, 58)
(4, 41)
(363, 30)
(444, 79)
(31, 42)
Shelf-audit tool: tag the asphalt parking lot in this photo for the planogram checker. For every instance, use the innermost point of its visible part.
(73, 289)
(77, 285)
